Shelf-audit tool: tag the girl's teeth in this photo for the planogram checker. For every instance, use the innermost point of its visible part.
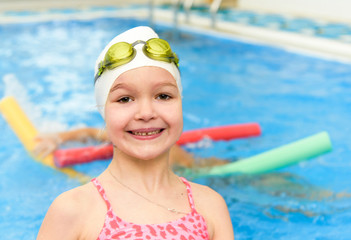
(146, 133)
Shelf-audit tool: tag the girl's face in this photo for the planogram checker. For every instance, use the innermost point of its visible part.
(143, 112)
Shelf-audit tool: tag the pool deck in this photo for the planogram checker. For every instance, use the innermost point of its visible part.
(308, 44)
(20, 5)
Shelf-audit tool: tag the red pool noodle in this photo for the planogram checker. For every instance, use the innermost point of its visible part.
(66, 157)
(221, 133)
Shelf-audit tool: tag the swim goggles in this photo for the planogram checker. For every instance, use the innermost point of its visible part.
(122, 53)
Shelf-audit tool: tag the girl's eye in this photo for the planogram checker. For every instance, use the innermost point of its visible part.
(124, 100)
(163, 97)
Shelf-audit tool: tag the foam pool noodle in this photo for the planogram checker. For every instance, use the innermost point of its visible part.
(274, 159)
(26, 132)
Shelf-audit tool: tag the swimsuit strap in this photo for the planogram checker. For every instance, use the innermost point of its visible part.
(190, 193)
(101, 191)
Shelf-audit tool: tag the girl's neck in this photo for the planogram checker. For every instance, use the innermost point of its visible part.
(150, 174)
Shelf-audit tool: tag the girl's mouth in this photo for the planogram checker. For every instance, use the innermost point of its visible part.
(146, 132)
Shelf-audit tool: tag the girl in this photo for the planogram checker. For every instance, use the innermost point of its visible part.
(138, 93)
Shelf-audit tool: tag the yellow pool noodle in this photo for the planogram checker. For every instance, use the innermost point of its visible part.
(26, 132)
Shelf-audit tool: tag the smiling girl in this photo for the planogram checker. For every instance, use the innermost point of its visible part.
(138, 93)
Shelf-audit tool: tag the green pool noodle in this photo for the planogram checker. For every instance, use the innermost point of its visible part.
(277, 158)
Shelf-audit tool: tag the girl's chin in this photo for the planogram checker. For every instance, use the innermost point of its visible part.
(147, 154)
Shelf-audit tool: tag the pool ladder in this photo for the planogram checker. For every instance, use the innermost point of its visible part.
(214, 6)
(187, 4)
(213, 10)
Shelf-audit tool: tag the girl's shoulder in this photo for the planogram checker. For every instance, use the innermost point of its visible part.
(64, 218)
(74, 202)
(207, 201)
(213, 208)
(204, 195)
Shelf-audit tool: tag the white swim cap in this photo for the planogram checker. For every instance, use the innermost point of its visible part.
(104, 82)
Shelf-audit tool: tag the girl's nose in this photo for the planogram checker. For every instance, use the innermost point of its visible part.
(146, 110)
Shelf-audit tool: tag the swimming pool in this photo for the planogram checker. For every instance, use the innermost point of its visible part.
(48, 67)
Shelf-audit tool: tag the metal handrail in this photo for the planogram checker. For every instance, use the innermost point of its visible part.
(151, 13)
(187, 6)
(176, 4)
(213, 10)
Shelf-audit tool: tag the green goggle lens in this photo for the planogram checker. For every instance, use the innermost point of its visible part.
(122, 53)
(119, 54)
(159, 49)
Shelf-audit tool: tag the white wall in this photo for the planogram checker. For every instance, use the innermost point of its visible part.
(336, 10)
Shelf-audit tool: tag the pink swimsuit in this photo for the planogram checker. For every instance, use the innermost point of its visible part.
(190, 227)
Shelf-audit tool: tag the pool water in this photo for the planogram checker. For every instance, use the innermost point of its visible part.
(48, 67)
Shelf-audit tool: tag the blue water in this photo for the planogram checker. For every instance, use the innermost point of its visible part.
(48, 67)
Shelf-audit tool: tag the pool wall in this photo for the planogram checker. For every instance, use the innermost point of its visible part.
(294, 26)
(337, 10)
